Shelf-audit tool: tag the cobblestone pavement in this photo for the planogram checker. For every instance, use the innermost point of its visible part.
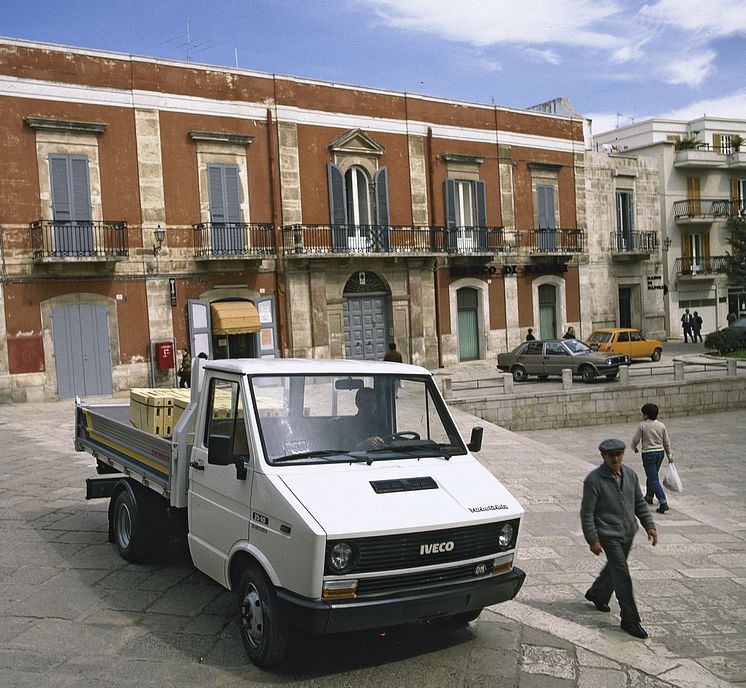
(72, 613)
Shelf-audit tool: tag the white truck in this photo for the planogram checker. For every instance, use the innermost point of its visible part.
(332, 495)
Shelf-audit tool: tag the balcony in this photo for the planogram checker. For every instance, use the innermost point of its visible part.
(233, 240)
(633, 244)
(317, 240)
(702, 157)
(56, 241)
(737, 160)
(701, 267)
(698, 210)
(554, 241)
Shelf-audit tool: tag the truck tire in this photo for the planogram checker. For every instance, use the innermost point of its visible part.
(128, 527)
(264, 628)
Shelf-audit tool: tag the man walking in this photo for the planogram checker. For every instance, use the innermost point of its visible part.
(687, 321)
(611, 501)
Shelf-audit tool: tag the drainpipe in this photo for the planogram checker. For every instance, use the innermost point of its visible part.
(436, 262)
(275, 202)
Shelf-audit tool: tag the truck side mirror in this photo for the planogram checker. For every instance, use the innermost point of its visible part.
(475, 443)
(219, 450)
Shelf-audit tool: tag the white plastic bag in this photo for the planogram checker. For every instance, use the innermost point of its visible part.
(672, 480)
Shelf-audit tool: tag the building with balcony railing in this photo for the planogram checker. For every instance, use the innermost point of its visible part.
(703, 183)
(270, 216)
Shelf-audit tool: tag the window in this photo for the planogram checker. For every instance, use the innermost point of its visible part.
(624, 222)
(358, 196)
(556, 349)
(227, 232)
(226, 418)
(466, 214)
(696, 252)
(71, 204)
(623, 337)
(532, 349)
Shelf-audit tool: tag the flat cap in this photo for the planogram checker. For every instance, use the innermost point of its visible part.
(612, 445)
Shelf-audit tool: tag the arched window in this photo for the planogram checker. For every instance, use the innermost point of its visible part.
(358, 196)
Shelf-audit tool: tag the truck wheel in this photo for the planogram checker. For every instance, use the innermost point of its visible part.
(463, 619)
(129, 527)
(264, 628)
(656, 355)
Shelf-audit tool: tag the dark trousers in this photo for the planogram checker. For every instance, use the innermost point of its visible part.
(651, 462)
(688, 334)
(615, 578)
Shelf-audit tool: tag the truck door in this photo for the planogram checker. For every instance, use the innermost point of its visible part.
(220, 477)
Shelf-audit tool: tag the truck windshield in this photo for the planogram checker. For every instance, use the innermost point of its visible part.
(331, 418)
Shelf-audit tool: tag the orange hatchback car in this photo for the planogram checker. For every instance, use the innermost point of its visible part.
(625, 340)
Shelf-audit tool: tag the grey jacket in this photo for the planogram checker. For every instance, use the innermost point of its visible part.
(607, 511)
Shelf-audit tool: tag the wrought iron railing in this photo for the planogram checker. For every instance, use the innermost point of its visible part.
(702, 265)
(304, 239)
(57, 239)
(233, 240)
(708, 207)
(633, 242)
(555, 241)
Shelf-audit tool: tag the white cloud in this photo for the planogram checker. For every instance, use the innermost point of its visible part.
(691, 70)
(714, 19)
(549, 56)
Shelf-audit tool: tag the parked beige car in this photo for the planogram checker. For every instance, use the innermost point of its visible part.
(551, 356)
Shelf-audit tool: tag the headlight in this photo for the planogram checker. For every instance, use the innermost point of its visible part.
(505, 537)
(340, 557)
(609, 361)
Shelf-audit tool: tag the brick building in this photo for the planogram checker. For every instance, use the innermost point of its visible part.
(248, 214)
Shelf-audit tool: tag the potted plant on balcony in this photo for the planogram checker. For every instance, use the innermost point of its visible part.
(736, 141)
(688, 142)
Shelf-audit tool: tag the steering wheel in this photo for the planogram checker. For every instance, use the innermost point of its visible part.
(406, 435)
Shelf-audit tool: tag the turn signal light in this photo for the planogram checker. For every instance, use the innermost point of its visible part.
(503, 567)
(339, 588)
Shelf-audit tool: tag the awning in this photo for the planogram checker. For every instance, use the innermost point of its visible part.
(234, 317)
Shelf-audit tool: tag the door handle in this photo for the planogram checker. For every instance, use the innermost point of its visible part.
(197, 466)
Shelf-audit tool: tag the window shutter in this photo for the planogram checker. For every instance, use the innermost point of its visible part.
(717, 143)
(337, 200)
(382, 197)
(734, 189)
(81, 190)
(61, 207)
(232, 194)
(692, 188)
(545, 201)
(706, 244)
(686, 245)
(215, 191)
(200, 327)
(450, 202)
(480, 194)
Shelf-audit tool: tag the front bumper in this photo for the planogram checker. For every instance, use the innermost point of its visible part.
(320, 616)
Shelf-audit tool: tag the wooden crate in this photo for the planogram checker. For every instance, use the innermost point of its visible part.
(152, 410)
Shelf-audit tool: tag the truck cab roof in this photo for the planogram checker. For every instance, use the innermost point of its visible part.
(303, 366)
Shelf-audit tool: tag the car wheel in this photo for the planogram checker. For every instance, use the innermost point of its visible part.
(519, 373)
(588, 374)
(656, 355)
(264, 627)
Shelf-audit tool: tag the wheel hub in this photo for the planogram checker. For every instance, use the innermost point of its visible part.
(252, 619)
(124, 526)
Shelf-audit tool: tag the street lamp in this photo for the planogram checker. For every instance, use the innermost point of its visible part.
(160, 235)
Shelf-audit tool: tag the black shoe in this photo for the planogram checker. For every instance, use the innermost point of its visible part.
(649, 500)
(663, 508)
(635, 630)
(601, 606)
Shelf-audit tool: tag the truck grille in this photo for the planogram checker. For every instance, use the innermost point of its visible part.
(421, 579)
(415, 550)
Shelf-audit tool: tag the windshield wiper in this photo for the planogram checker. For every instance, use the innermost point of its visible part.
(445, 451)
(319, 453)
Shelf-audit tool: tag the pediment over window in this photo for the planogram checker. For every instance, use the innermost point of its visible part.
(356, 142)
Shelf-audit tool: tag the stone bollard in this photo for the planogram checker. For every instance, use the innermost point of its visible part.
(566, 378)
(508, 383)
(624, 375)
(447, 389)
(678, 370)
(731, 367)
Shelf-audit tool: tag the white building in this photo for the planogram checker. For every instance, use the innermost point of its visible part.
(702, 169)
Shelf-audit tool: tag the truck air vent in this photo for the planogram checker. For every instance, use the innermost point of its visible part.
(403, 485)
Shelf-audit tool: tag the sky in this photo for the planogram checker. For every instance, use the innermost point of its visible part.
(617, 61)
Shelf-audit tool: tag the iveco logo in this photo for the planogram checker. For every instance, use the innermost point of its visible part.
(436, 547)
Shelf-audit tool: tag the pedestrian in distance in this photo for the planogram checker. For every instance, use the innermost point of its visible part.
(570, 334)
(696, 326)
(185, 370)
(687, 320)
(655, 444)
(731, 318)
(392, 354)
(612, 501)
(530, 335)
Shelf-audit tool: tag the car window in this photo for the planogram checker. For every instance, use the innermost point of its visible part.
(532, 349)
(636, 337)
(623, 337)
(577, 347)
(556, 349)
(600, 337)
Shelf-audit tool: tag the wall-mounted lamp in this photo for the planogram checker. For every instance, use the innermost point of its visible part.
(666, 243)
(160, 235)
